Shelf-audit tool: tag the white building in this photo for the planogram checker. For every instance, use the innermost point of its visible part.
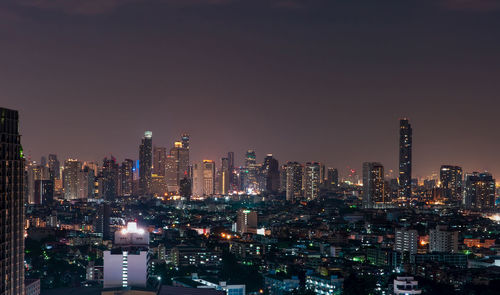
(126, 265)
(406, 240)
(406, 286)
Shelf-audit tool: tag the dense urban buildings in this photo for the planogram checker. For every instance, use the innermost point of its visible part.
(165, 222)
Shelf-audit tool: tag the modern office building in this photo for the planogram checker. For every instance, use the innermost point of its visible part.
(126, 178)
(450, 178)
(293, 181)
(109, 177)
(479, 191)
(12, 205)
(159, 160)
(332, 178)
(145, 162)
(126, 265)
(312, 180)
(405, 159)
(271, 173)
(373, 184)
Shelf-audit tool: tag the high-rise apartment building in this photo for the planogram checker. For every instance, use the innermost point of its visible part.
(443, 240)
(373, 184)
(406, 240)
(479, 191)
(293, 181)
(11, 205)
(145, 162)
(405, 159)
(451, 181)
(312, 180)
(247, 221)
(73, 188)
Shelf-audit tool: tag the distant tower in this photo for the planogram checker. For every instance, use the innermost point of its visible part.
(312, 177)
(332, 179)
(159, 160)
(373, 184)
(451, 181)
(247, 221)
(224, 176)
(12, 205)
(54, 167)
(72, 179)
(293, 181)
(145, 162)
(405, 147)
(126, 179)
(271, 174)
(109, 178)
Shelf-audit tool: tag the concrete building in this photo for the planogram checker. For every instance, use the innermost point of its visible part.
(126, 265)
(443, 240)
(406, 240)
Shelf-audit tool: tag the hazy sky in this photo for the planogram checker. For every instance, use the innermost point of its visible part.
(316, 80)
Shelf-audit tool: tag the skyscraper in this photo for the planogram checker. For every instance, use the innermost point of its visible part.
(246, 221)
(224, 177)
(312, 180)
(12, 205)
(405, 146)
(479, 191)
(110, 178)
(54, 167)
(159, 160)
(332, 178)
(72, 179)
(208, 177)
(181, 156)
(145, 162)
(451, 181)
(126, 178)
(373, 184)
(293, 181)
(271, 174)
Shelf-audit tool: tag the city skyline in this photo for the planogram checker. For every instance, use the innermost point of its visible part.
(330, 78)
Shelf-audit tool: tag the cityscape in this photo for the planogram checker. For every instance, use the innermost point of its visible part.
(234, 147)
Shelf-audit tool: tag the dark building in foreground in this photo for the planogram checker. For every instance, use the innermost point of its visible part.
(405, 144)
(11, 205)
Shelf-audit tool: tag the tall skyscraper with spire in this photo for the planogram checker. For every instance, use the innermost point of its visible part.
(145, 162)
(12, 205)
(405, 145)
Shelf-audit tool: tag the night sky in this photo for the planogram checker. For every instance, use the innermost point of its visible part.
(316, 80)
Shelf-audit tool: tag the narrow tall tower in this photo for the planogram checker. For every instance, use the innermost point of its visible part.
(405, 145)
(145, 162)
(12, 205)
